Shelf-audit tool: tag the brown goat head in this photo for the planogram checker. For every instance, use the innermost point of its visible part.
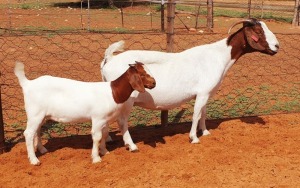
(254, 36)
(139, 79)
(135, 78)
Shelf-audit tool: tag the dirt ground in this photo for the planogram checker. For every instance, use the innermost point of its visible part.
(247, 152)
(261, 151)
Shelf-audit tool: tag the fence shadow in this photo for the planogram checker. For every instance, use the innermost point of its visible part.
(11, 142)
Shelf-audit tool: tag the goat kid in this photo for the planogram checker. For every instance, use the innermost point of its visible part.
(65, 100)
(195, 73)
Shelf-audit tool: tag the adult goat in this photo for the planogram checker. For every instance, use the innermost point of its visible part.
(195, 73)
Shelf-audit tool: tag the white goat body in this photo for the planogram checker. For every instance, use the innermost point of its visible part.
(57, 97)
(179, 75)
(66, 100)
(193, 73)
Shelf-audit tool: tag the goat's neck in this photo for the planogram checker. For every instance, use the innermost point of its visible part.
(239, 45)
(121, 89)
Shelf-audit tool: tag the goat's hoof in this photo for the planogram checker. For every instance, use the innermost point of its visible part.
(205, 133)
(97, 159)
(195, 141)
(104, 152)
(43, 150)
(133, 149)
(35, 162)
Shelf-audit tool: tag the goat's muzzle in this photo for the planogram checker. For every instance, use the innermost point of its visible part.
(151, 84)
(272, 52)
(269, 52)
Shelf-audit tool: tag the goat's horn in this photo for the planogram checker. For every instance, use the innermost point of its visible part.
(242, 21)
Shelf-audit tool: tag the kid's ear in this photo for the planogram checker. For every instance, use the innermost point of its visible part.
(136, 83)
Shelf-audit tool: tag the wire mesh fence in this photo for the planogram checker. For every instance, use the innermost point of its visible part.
(51, 41)
(70, 15)
(257, 84)
(193, 14)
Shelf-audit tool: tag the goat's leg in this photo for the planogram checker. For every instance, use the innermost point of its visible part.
(202, 124)
(108, 139)
(103, 141)
(198, 108)
(38, 141)
(96, 132)
(123, 124)
(33, 125)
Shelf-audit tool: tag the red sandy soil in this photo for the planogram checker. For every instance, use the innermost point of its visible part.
(247, 152)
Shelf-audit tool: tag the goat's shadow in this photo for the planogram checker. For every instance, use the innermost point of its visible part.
(148, 135)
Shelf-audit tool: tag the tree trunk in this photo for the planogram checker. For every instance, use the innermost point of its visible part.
(296, 14)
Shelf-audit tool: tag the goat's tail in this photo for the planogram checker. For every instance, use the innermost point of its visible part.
(20, 73)
(109, 52)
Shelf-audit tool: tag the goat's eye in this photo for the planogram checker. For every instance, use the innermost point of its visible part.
(259, 32)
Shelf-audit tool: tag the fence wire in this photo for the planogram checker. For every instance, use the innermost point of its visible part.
(256, 85)
(70, 15)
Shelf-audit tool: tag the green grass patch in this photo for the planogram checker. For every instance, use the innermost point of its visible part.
(185, 8)
(229, 13)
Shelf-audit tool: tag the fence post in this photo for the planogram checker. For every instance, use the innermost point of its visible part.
(262, 9)
(170, 24)
(170, 41)
(249, 8)
(122, 16)
(296, 18)
(210, 12)
(298, 14)
(2, 139)
(89, 15)
(197, 16)
(162, 16)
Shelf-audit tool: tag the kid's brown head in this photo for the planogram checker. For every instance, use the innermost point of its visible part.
(135, 78)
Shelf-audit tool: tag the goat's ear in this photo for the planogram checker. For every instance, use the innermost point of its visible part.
(253, 39)
(137, 62)
(136, 82)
